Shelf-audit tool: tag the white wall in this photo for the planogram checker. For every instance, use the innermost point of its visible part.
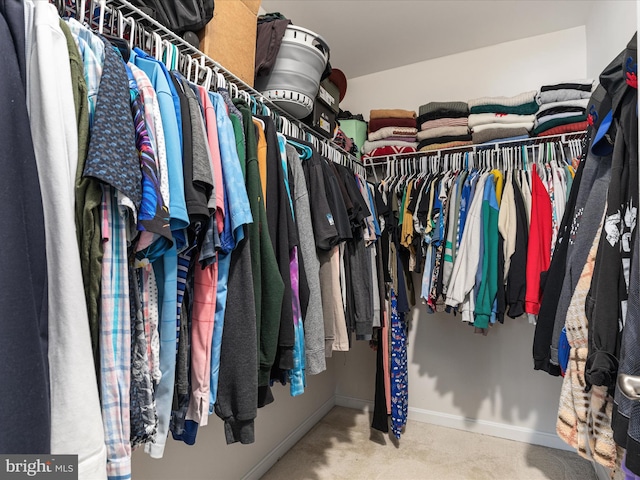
(211, 457)
(505, 69)
(454, 373)
(610, 26)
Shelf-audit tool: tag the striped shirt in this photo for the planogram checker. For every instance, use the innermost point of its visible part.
(153, 121)
(92, 51)
(115, 337)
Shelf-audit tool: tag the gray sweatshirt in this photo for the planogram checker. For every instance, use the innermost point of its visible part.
(313, 322)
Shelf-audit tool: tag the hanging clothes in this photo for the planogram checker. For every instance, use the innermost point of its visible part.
(399, 374)
(24, 330)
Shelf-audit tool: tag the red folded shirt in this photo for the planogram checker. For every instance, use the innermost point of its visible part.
(389, 150)
(567, 128)
(378, 123)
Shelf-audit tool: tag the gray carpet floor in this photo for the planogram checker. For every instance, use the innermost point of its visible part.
(342, 446)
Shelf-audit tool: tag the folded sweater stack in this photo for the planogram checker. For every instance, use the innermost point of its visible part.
(502, 118)
(443, 125)
(562, 108)
(391, 131)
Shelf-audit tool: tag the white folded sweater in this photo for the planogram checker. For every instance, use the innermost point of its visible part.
(487, 126)
(521, 99)
(368, 146)
(387, 132)
(476, 119)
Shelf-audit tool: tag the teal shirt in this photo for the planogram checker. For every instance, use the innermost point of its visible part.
(489, 287)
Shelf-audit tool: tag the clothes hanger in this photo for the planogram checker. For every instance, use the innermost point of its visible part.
(263, 107)
(92, 5)
(144, 41)
(253, 104)
(221, 82)
(397, 185)
(175, 56)
(132, 34)
(196, 71)
(276, 119)
(102, 5)
(304, 151)
(233, 90)
(246, 97)
(420, 167)
(157, 46)
(511, 158)
(285, 126)
(481, 161)
(118, 41)
(60, 7)
(200, 71)
(207, 78)
(554, 154)
(313, 140)
(167, 55)
(383, 188)
(375, 174)
(183, 62)
(122, 20)
(331, 153)
(80, 12)
(190, 62)
(395, 175)
(387, 176)
(563, 155)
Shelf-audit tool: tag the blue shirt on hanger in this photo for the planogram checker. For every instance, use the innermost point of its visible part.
(158, 75)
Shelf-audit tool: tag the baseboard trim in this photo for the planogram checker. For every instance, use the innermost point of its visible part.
(355, 403)
(494, 429)
(285, 445)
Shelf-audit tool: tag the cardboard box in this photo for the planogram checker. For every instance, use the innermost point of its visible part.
(253, 5)
(230, 37)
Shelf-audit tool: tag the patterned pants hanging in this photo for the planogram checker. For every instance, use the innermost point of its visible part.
(399, 374)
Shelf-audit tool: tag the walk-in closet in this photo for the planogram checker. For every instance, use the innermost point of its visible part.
(247, 239)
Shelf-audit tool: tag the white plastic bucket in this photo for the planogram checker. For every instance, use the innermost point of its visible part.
(295, 78)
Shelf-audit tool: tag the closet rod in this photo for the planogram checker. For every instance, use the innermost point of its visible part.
(563, 138)
(132, 13)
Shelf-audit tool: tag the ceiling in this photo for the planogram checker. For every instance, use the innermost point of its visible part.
(371, 36)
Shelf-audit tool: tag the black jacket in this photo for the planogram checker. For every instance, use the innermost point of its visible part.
(24, 369)
(608, 293)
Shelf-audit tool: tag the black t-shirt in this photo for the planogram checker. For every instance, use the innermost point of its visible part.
(324, 228)
(339, 214)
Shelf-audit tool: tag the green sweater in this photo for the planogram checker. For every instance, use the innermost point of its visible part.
(88, 199)
(557, 122)
(524, 109)
(489, 286)
(268, 286)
